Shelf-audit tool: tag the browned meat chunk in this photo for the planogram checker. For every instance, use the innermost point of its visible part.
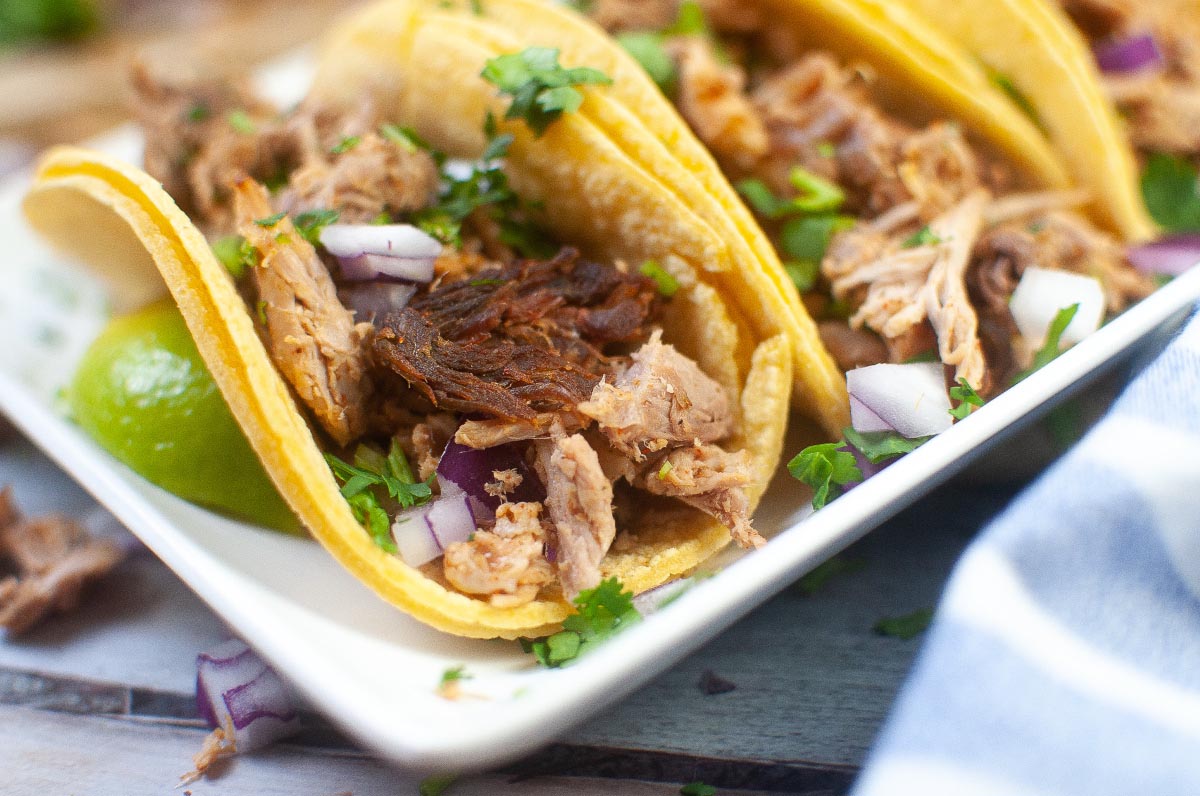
(517, 341)
(1100, 18)
(710, 479)
(712, 98)
(429, 439)
(506, 563)
(662, 399)
(312, 338)
(579, 499)
(505, 483)
(852, 348)
(54, 559)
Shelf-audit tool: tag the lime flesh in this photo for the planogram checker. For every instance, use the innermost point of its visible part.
(143, 393)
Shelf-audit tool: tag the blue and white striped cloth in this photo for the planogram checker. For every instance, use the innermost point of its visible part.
(1065, 655)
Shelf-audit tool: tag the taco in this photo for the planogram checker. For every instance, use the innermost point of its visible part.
(906, 235)
(487, 361)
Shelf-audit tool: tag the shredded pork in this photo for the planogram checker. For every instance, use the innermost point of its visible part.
(507, 563)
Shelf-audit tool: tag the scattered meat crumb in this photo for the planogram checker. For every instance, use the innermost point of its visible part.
(53, 558)
(711, 684)
(218, 745)
(505, 484)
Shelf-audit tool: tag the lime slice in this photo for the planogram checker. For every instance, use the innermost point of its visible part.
(143, 393)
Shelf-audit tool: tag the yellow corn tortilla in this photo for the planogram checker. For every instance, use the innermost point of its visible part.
(1034, 44)
(601, 199)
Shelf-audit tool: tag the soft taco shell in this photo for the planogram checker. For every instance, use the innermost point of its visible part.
(603, 200)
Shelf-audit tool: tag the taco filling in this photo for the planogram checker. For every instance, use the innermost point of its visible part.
(492, 402)
(906, 243)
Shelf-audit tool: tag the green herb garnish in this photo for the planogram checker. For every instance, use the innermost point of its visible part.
(241, 122)
(199, 112)
(1172, 192)
(1005, 84)
(698, 789)
(236, 254)
(261, 310)
(826, 149)
(310, 223)
(906, 627)
(542, 90)
(817, 195)
(690, 21)
(827, 468)
(1053, 345)
(966, 396)
(879, 446)
(374, 476)
(803, 273)
(454, 675)
(816, 579)
(346, 144)
(922, 237)
(808, 237)
(269, 221)
(601, 613)
(436, 785)
(403, 137)
(24, 21)
(665, 470)
(666, 283)
(647, 49)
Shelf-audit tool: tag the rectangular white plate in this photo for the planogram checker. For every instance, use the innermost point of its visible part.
(372, 669)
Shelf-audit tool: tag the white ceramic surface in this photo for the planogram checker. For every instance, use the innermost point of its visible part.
(368, 666)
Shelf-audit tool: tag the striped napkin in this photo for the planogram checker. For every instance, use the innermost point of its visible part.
(1065, 655)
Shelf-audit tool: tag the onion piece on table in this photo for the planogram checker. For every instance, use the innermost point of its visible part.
(909, 399)
(422, 534)
(1129, 54)
(1042, 293)
(1171, 255)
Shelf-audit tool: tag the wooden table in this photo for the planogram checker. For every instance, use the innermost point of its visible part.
(100, 701)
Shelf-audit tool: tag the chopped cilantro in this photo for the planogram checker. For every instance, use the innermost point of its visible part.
(808, 237)
(827, 468)
(477, 7)
(879, 446)
(762, 199)
(826, 149)
(690, 21)
(600, 613)
(236, 254)
(1172, 192)
(199, 112)
(24, 21)
(310, 223)
(803, 273)
(486, 185)
(486, 282)
(270, 221)
(360, 482)
(906, 627)
(1053, 345)
(816, 578)
(922, 237)
(666, 283)
(436, 785)
(541, 89)
(1005, 84)
(346, 144)
(817, 194)
(527, 238)
(647, 49)
(925, 356)
(454, 674)
(403, 137)
(241, 122)
(666, 468)
(966, 396)
(261, 310)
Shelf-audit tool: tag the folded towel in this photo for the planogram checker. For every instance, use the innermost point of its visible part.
(1065, 655)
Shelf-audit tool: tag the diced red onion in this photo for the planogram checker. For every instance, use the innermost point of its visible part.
(650, 601)
(388, 240)
(374, 301)
(376, 267)
(865, 420)
(236, 689)
(472, 470)
(1043, 292)
(422, 534)
(911, 399)
(1128, 55)
(1171, 255)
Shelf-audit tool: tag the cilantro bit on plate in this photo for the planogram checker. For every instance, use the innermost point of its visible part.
(906, 627)
(542, 90)
(966, 396)
(361, 484)
(601, 613)
(436, 785)
(449, 686)
(697, 789)
(827, 468)
(1053, 345)
(817, 577)
(1172, 192)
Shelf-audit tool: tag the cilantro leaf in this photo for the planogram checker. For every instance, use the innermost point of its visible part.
(922, 237)
(1053, 345)
(436, 785)
(374, 477)
(1018, 97)
(600, 613)
(966, 396)
(372, 516)
(346, 144)
(667, 284)
(455, 674)
(27, 21)
(404, 137)
(269, 221)
(236, 254)
(826, 468)
(817, 194)
(241, 122)
(816, 578)
(879, 446)
(542, 90)
(647, 49)
(1172, 192)
(690, 21)
(808, 237)
(906, 627)
(310, 223)
(803, 273)
(697, 789)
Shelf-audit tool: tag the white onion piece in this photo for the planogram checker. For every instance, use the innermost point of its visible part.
(865, 420)
(236, 689)
(372, 267)
(373, 302)
(911, 399)
(422, 534)
(388, 240)
(1043, 292)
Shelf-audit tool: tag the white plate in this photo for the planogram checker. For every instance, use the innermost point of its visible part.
(368, 666)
